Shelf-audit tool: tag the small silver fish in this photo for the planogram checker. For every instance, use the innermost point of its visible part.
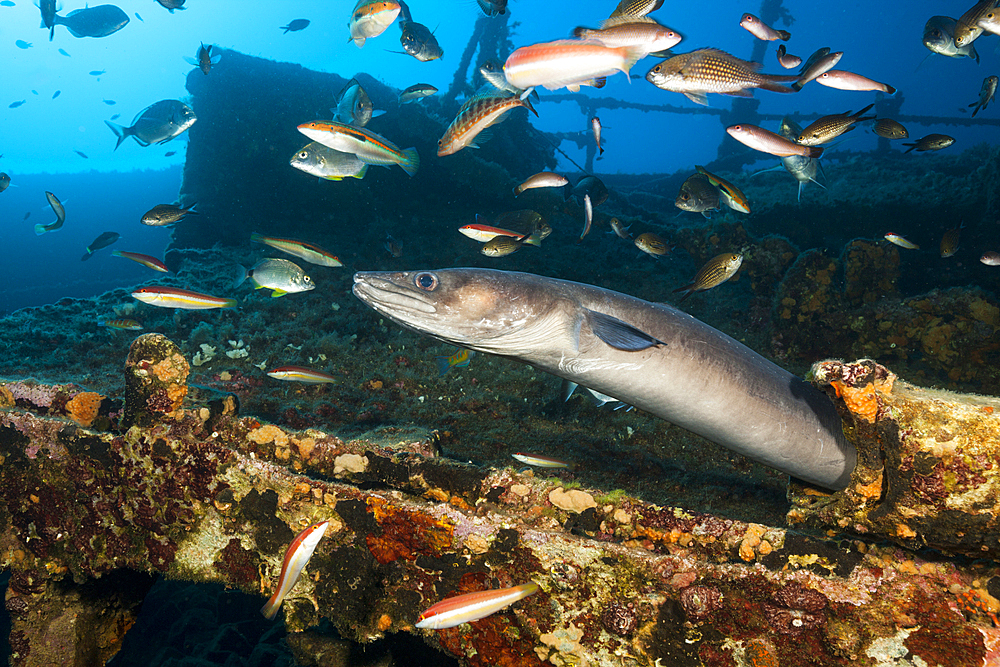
(416, 91)
(991, 258)
(595, 124)
(932, 142)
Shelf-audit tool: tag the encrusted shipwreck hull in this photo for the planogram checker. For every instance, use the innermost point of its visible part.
(97, 496)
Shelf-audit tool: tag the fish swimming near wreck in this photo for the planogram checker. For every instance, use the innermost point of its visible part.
(99, 21)
(623, 347)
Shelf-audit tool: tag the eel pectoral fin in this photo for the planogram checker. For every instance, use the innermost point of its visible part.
(618, 334)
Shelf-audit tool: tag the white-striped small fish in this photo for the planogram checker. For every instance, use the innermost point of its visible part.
(472, 606)
(539, 461)
(299, 552)
(302, 374)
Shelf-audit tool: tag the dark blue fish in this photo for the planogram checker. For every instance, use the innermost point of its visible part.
(4, 181)
(56, 94)
(116, 116)
(169, 153)
(102, 241)
(97, 72)
(110, 103)
(139, 17)
(99, 21)
(82, 154)
(7, 3)
(172, 4)
(63, 51)
(14, 105)
(26, 216)
(21, 44)
(295, 26)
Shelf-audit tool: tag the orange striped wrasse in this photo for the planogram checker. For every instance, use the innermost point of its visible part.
(370, 18)
(368, 146)
(716, 271)
(482, 232)
(731, 195)
(568, 63)
(900, 241)
(766, 141)
(763, 31)
(302, 374)
(174, 297)
(843, 80)
(539, 461)
(704, 71)
(478, 113)
(643, 34)
(306, 251)
(543, 179)
(458, 360)
(299, 552)
(148, 261)
(787, 60)
(472, 606)
(127, 325)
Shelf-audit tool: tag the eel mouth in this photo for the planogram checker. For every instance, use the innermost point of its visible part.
(392, 298)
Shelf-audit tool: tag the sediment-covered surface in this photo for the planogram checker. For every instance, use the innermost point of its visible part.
(90, 510)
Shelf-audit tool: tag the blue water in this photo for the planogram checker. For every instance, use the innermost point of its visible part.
(143, 63)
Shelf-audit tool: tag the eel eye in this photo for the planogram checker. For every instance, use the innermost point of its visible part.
(428, 282)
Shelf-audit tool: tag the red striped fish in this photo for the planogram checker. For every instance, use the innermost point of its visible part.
(174, 297)
(299, 552)
(566, 63)
(478, 113)
(482, 232)
(472, 606)
(302, 374)
(148, 261)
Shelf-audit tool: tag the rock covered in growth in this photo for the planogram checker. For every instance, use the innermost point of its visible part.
(155, 380)
(928, 463)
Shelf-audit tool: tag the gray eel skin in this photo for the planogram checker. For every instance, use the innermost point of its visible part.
(649, 355)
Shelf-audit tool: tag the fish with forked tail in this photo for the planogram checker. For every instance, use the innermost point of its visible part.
(706, 71)
(624, 347)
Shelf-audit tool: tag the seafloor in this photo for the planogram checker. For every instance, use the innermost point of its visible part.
(818, 281)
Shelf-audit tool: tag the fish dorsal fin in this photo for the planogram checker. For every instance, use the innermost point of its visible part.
(618, 334)
(614, 21)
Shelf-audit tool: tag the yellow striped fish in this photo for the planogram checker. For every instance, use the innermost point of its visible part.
(124, 324)
(716, 271)
(299, 552)
(478, 113)
(174, 297)
(307, 251)
(472, 606)
(368, 146)
(651, 244)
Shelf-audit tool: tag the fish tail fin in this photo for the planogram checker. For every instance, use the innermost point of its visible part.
(86, 255)
(443, 364)
(517, 190)
(815, 151)
(534, 240)
(120, 132)
(361, 173)
(579, 31)
(799, 197)
(40, 229)
(688, 291)
(116, 253)
(529, 107)
(270, 610)
(975, 111)
(241, 276)
(410, 162)
(911, 147)
(775, 87)
(784, 35)
(632, 56)
(190, 209)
